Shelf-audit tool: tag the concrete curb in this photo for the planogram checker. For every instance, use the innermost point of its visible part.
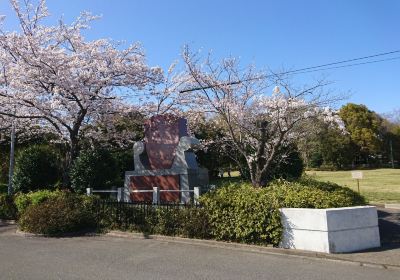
(392, 206)
(65, 235)
(251, 248)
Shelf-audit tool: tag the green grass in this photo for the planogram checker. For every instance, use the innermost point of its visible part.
(378, 185)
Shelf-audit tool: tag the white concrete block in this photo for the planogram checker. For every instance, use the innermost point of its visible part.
(334, 230)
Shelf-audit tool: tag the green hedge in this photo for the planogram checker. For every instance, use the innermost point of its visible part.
(187, 221)
(8, 210)
(234, 212)
(59, 214)
(242, 213)
(308, 193)
(23, 201)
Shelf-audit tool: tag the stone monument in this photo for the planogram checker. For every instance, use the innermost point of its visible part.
(164, 159)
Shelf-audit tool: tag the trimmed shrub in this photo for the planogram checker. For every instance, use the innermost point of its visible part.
(187, 221)
(194, 223)
(36, 168)
(8, 209)
(23, 201)
(60, 214)
(242, 213)
(93, 169)
(308, 193)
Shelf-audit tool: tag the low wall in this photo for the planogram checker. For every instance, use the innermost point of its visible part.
(333, 230)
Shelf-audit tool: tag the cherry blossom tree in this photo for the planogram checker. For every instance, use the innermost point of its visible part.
(259, 126)
(55, 78)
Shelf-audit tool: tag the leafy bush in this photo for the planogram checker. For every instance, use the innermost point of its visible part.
(308, 193)
(23, 201)
(194, 223)
(36, 168)
(94, 169)
(8, 210)
(242, 213)
(63, 213)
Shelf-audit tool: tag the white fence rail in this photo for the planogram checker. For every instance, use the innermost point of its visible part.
(156, 193)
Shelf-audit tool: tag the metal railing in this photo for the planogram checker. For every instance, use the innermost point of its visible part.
(156, 193)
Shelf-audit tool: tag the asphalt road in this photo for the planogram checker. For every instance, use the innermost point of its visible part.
(119, 258)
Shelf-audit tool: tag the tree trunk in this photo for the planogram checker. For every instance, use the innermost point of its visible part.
(70, 158)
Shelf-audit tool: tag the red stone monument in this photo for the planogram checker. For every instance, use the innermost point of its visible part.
(165, 160)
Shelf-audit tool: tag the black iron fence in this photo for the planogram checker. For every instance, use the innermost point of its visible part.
(141, 215)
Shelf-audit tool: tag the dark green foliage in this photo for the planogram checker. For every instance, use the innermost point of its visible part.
(8, 209)
(64, 213)
(242, 213)
(4, 165)
(3, 188)
(336, 148)
(316, 160)
(290, 169)
(37, 167)
(94, 169)
(124, 162)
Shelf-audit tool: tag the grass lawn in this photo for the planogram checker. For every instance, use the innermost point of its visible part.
(377, 185)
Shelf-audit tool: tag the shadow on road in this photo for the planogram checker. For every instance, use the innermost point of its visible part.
(389, 230)
(389, 226)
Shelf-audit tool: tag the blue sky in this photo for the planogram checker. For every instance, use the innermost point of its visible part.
(275, 34)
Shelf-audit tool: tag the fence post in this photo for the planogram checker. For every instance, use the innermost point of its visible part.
(89, 191)
(196, 191)
(119, 194)
(156, 195)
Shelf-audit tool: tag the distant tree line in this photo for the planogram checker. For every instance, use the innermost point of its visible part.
(369, 140)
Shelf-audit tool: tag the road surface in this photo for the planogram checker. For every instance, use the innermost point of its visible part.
(121, 258)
